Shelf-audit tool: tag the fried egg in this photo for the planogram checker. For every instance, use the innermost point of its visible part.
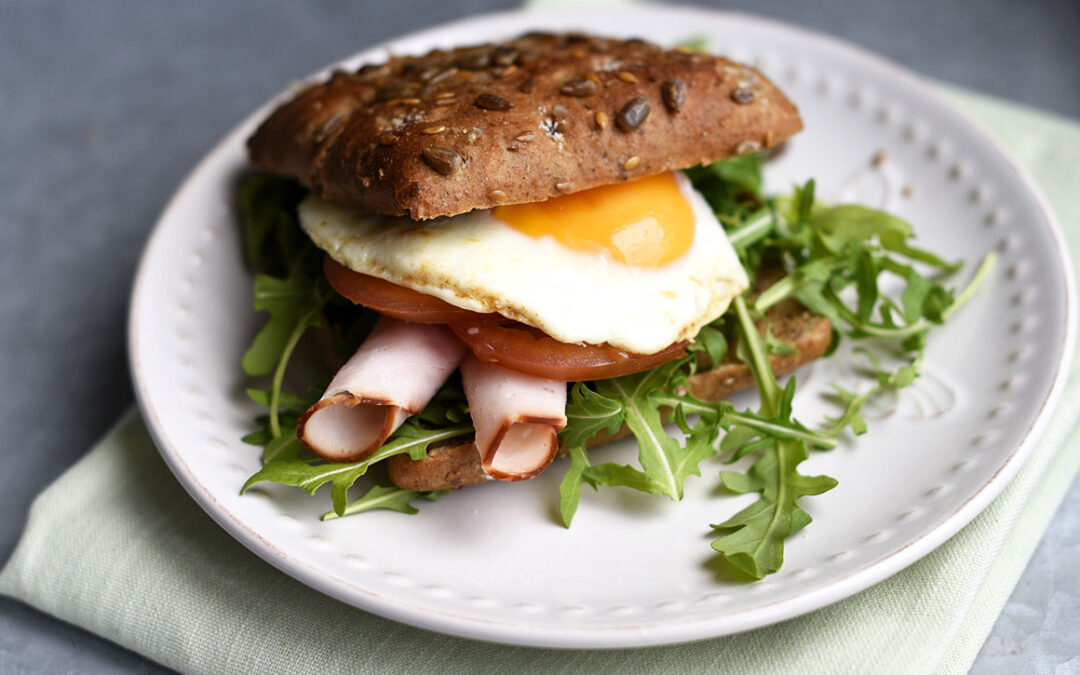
(639, 265)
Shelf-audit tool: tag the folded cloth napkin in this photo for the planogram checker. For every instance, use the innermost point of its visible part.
(117, 547)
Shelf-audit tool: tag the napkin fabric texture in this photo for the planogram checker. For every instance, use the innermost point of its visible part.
(117, 547)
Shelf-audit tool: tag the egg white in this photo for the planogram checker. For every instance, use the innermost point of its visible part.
(476, 262)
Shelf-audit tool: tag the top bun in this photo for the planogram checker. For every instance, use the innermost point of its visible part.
(519, 121)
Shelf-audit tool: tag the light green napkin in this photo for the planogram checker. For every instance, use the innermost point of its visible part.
(116, 546)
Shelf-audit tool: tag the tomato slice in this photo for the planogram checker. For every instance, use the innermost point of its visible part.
(389, 299)
(496, 339)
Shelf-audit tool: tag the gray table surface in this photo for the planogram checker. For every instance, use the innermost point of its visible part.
(105, 107)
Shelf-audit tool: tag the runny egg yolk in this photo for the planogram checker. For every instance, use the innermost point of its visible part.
(644, 223)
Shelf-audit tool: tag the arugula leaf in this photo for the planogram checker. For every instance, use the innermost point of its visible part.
(587, 414)
(570, 488)
(731, 186)
(294, 304)
(310, 476)
(611, 474)
(712, 342)
(283, 448)
(664, 462)
(656, 449)
(850, 417)
(272, 239)
(378, 497)
(287, 418)
(448, 407)
(637, 401)
(695, 44)
(752, 230)
(753, 351)
(742, 172)
(842, 226)
(753, 539)
(285, 399)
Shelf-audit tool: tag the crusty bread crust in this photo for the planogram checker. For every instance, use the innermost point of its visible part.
(520, 121)
(456, 463)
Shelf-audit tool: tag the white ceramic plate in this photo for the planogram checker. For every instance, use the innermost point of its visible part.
(491, 562)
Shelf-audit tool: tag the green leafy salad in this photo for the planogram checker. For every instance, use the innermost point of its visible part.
(837, 260)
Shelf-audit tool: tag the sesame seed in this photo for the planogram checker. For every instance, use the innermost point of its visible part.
(632, 163)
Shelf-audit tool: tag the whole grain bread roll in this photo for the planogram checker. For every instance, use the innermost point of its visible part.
(520, 121)
(456, 464)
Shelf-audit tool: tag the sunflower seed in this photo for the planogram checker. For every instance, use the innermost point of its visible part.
(328, 127)
(578, 88)
(504, 55)
(473, 134)
(477, 61)
(631, 115)
(743, 95)
(492, 102)
(673, 92)
(747, 147)
(525, 58)
(444, 75)
(444, 160)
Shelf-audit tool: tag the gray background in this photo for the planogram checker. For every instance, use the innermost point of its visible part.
(106, 106)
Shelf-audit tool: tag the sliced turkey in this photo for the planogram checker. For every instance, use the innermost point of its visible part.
(516, 416)
(393, 375)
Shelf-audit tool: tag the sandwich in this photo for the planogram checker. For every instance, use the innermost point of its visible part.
(515, 213)
(541, 245)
